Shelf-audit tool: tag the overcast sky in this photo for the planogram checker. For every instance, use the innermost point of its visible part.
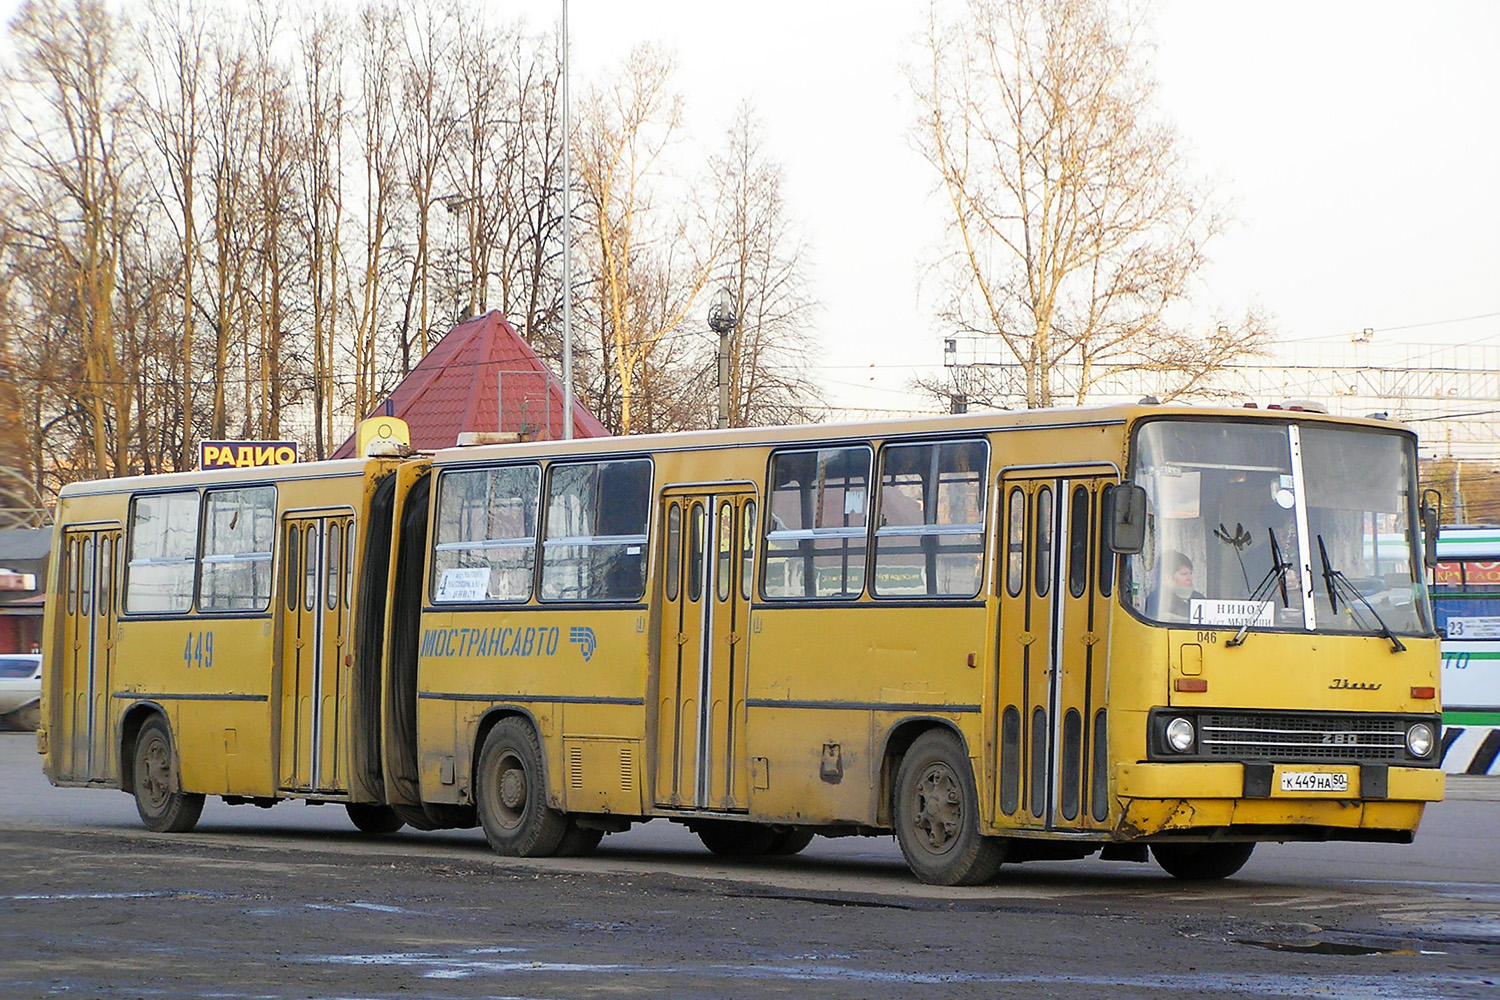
(1357, 144)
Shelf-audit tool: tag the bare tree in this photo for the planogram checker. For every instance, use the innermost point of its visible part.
(275, 140)
(770, 346)
(507, 171)
(172, 108)
(71, 176)
(430, 117)
(1075, 226)
(379, 33)
(323, 119)
(229, 301)
(647, 270)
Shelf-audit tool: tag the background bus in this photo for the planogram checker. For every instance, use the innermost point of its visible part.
(1466, 603)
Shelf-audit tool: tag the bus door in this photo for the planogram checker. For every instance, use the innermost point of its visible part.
(701, 680)
(1054, 626)
(315, 643)
(88, 650)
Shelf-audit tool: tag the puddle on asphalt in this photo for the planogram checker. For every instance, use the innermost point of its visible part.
(1321, 947)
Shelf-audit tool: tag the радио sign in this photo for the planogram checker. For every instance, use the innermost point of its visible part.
(245, 454)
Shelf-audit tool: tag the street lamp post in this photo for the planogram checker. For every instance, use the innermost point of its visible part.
(567, 193)
(721, 320)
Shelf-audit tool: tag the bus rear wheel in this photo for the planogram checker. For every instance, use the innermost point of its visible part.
(937, 814)
(370, 818)
(741, 839)
(732, 839)
(1201, 862)
(512, 794)
(790, 841)
(163, 807)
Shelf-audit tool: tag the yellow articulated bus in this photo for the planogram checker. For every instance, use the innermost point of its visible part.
(1002, 637)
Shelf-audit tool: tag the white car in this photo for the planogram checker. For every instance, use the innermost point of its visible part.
(20, 690)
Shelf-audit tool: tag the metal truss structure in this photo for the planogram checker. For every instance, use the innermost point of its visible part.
(1449, 393)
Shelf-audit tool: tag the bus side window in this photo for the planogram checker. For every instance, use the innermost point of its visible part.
(239, 527)
(335, 565)
(71, 580)
(817, 523)
(1015, 543)
(929, 537)
(674, 551)
(747, 554)
(1043, 541)
(293, 572)
(1079, 534)
(104, 595)
(312, 545)
(1106, 556)
(163, 553)
(86, 577)
(723, 572)
(485, 545)
(696, 519)
(594, 542)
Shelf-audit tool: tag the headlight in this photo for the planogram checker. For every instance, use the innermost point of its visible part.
(1180, 735)
(1419, 740)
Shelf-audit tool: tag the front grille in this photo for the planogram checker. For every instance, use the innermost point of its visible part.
(1281, 737)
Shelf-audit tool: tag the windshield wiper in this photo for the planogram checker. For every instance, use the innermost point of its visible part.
(1335, 582)
(1275, 575)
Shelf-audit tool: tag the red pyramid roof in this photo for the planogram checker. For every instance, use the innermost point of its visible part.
(452, 391)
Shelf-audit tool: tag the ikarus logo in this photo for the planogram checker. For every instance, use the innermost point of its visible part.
(583, 637)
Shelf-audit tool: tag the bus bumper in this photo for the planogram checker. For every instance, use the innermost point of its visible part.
(1231, 800)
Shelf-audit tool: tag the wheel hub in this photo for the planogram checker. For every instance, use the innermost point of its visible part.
(938, 814)
(513, 789)
(154, 772)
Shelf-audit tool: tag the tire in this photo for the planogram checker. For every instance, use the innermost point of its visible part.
(733, 839)
(370, 818)
(790, 841)
(1201, 862)
(512, 794)
(25, 719)
(936, 809)
(163, 807)
(578, 842)
(415, 817)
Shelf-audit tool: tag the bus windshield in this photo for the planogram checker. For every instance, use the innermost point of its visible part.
(1287, 526)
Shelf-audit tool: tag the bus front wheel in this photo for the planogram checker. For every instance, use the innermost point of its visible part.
(512, 794)
(164, 808)
(1201, 862)
(937, 814)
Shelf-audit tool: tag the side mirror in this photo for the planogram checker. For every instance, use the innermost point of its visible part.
(1429, 537)
(1127, 519)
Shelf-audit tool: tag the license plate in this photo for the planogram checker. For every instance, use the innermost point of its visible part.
(1313, 781)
